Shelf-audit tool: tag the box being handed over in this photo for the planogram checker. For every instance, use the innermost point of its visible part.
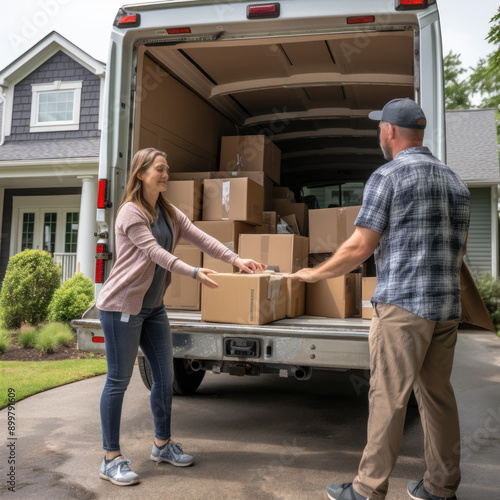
(245, 299)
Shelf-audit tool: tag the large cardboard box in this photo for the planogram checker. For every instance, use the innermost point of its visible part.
(330, 227)
(228, 233)
(186, 196)
(295, 298)
(287, 251)
(250, 152)
(333, 298)
(300, 210)
(184, 291)
(367, 290)
(259, 177)
(233, 199)
(245, 299)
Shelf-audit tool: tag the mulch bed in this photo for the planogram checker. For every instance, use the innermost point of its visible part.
(16, 352)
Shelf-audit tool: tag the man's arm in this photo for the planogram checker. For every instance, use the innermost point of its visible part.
(349, 256)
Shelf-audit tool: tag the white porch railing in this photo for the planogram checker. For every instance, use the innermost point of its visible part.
(68, 264)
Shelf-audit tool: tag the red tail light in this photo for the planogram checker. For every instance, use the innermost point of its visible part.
(361, 20)
(102, 194)
(178, 31)
(259, 11)
(412, 4)
(97, 339)
(124, 19)
(100, 265)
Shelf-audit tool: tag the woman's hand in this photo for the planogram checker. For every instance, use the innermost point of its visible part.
(248, 266)
(203, 277)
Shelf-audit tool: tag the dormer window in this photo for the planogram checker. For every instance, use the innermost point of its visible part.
(55, 106)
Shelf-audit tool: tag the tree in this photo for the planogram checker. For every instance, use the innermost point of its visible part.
(494, 38)
(457, 92)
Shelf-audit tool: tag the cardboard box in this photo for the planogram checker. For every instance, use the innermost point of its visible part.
(330, 227)
(295, 298)
(287, 251)
(189, 176)
(186, 196)
(367, 290)
(258, 177)
(315, 259)
(283, 192)
(228, 233)
(245, 299)
(250, 152)
(333, 298)
(184, 291)
(233, 199)
(300, 210)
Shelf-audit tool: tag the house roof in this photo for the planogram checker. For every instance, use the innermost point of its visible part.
(471, 145)
(50, 150)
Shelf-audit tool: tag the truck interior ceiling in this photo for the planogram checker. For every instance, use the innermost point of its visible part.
(310, 95)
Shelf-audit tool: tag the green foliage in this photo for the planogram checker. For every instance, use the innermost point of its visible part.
(31, 279)
(457, 92)
(494, 38)
(70, 301)
(5, 339)
(53, 335)
(489, 289)
(27, 337)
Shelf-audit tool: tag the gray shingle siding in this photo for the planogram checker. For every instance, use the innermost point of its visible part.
(59, 67)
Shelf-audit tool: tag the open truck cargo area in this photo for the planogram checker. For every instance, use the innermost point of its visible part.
(183, 74)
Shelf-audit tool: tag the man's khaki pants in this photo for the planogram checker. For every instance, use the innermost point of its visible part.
(407, 352)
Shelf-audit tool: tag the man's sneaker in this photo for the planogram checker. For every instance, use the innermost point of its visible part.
(118, 472)
(171, 453)
(417, 491)
(343, 492)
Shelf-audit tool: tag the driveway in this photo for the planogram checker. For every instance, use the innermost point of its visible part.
(262, 438)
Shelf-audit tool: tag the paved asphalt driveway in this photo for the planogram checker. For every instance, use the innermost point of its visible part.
(261, 438)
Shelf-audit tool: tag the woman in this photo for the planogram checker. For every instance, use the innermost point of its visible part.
(131, 306)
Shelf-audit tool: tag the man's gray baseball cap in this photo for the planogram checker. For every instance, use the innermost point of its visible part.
(402, 112)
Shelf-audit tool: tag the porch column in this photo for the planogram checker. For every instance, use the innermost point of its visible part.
(85, 253)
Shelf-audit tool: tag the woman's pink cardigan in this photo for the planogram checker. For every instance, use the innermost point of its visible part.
(137, 253)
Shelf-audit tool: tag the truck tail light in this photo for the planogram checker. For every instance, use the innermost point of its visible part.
(102, 194)
(178, 31)
(124, 19)
(97, 339)
(263, 11)
(412, 4)
(361, 20)
(100, 262)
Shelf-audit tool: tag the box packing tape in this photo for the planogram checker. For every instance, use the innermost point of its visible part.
(226, 195)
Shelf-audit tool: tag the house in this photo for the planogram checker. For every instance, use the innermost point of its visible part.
(472, 152)
(50, 129)
(49, 153)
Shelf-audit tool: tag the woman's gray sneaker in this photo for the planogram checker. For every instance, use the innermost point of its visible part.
(118, 472)
(171, 453)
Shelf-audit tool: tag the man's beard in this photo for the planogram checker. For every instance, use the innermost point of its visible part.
(386, 151)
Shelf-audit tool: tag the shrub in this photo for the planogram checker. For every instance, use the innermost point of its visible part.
(31, 279)
(489, 289)
(5, 339)
(53, 335)
(70, 301)
(27, 337)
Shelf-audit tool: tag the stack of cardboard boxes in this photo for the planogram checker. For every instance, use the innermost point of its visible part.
(242, 205)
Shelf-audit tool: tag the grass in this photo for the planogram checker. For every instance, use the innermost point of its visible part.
(29, 377)
(5, 339)
(27, 338)
(52, 335)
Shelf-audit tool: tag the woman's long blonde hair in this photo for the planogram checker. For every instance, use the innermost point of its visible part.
(141, 161)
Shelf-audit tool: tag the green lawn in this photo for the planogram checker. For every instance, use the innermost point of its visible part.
(30, 377)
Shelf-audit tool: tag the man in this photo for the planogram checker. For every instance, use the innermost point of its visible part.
(415, 217)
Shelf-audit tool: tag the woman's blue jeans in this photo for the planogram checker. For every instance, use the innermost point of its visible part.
(123, 334)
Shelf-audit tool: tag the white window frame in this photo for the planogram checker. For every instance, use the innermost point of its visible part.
(55, 126)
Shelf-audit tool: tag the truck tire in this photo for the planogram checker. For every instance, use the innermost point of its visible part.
(186, 381)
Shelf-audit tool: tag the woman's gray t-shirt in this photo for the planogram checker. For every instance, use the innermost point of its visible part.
(162, 231)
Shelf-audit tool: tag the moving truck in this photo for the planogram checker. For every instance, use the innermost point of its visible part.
(305, 73)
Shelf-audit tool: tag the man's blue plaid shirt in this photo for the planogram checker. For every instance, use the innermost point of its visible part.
(422, 210)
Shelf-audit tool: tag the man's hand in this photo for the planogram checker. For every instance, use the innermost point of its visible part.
(248, 266)
(308, 274)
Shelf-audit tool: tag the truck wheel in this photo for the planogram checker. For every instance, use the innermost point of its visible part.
(186, 381)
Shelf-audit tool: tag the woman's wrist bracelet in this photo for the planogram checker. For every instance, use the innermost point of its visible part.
(195, 272)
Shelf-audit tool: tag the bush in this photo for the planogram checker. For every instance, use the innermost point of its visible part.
(27, 337)
(53, 335)
(31, 279)
(70, 301)
(5, 339)
(489, 289)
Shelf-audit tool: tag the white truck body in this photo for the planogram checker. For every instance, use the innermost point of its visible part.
(181, 74)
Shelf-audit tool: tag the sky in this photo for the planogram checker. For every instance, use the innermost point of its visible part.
(464, 25)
